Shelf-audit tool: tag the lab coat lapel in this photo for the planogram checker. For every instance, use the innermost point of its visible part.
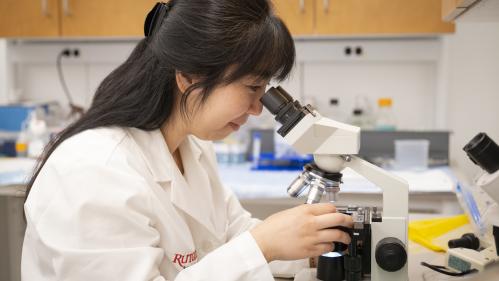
(153, 148)
(193, 192)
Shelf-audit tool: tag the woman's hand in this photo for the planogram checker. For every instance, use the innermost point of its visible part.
(301, 232)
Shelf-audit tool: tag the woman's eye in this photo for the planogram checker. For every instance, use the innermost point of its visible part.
(255, 88)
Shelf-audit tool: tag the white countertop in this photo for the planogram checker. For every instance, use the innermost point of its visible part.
(249, 184)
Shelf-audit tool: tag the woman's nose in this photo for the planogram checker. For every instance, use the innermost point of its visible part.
(255, 108)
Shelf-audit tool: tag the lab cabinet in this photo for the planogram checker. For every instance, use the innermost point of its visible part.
(104, 18)
(380, 17)
(125, 18)
(297, 14)
(68, 18)
(362, 17)
(29, 18)
(452, 9)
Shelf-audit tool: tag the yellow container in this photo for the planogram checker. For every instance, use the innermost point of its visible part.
(424, 231)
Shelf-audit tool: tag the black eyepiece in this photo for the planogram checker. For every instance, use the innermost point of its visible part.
(484, 152)
(287, 111)
(275, 99)
(468, 240)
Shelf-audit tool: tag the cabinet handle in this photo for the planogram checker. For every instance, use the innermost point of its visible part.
(66, 8)
(45, 8)
(325, 3)
(302, 6)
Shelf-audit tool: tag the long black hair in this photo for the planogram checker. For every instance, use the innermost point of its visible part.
(204, 38)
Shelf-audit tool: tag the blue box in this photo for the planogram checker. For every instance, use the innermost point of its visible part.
(12, 117)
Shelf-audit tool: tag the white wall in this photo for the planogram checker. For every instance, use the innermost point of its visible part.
(404, 69)
(3, 71)
(473, 86)
(35, 74)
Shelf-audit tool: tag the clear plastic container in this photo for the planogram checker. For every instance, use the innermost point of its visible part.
(411, 154)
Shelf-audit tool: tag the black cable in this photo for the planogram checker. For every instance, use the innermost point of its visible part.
(442, 269)
(74, 109)
(61, 75)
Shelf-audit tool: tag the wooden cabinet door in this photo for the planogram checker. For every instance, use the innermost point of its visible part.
(357, 17)
(29, 18)
(451, 9)
(297, 14)
(104, 17)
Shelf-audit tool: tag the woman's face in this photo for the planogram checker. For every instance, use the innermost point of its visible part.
(227, 108)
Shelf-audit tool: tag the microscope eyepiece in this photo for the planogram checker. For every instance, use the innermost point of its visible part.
(286, 110)
(484, 152)
(275, 99)
(468, 240)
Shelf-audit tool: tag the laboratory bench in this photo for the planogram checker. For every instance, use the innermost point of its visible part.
(260, 192)
(264, 192)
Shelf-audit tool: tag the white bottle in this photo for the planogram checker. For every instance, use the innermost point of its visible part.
(38, 138)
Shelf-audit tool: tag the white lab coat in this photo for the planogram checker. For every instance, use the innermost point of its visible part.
(110, 204)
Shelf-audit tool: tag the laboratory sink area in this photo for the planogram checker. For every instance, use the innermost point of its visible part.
(241, 140)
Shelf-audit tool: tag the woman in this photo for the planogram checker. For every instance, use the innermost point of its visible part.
(131, 191)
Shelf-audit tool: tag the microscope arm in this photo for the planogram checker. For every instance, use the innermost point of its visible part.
(395, 190)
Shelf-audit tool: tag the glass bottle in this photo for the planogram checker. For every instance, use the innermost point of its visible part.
(385, 120)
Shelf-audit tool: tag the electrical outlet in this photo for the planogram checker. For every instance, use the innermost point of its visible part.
(67, 52)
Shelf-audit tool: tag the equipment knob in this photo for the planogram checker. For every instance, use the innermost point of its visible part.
(391, 254)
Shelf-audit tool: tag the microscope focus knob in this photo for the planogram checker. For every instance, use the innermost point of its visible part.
(391, 254)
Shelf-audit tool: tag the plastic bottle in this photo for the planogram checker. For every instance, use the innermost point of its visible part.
(237, 153)
(222, 152)
(385, 120)
(239, 145)
(257, 143)
(38, 136)
(22, 144)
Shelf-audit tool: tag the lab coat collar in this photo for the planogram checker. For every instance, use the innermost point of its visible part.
(156, 153)
(194, 197)
(153, 147)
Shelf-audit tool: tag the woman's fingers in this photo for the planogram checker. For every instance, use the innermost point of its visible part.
(333, 235)
(322, 248)
(332, 220)
(320, 208)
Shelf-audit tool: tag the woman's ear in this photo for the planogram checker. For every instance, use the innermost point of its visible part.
(184, 81)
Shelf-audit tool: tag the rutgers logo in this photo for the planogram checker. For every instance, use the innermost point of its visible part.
(185, 260)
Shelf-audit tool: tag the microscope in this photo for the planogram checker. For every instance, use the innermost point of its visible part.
(379, 240)
(483, 250)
